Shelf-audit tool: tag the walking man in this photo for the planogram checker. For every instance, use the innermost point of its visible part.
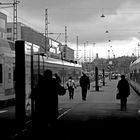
(85, 85)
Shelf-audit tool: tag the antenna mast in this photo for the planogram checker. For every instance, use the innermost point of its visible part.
(46, 31)
(15, 2)
(77, 49)
(66, 36)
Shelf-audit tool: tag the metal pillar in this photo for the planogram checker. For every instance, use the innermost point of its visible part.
(46, 31)
(103, 77)
(84, 52)
(96, 79)
(66, 37)
(15, 21)
(77, 48)
(20, 82)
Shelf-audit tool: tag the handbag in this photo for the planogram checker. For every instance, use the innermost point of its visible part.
(118, 96)
(61, 90)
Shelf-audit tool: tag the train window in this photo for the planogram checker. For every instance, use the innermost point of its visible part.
(14, 73)
(9, 76)
(0, 73)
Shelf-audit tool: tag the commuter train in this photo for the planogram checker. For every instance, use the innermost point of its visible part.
(40, 63)
(135, 75)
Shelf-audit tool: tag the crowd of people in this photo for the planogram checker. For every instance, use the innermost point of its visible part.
(45, 97)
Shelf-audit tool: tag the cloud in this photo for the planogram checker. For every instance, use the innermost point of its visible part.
(82, 18)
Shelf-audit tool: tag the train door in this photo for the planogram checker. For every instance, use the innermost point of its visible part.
(1, 78)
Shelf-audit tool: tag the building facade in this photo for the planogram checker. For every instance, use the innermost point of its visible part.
(53, 47)
(3, 26)
(68, 53)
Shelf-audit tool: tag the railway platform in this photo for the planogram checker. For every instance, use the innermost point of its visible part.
(99, 116)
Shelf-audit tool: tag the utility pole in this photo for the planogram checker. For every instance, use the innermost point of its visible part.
(138, 49)
(15, 20)
(66, 37)
(84, 52)
(46, 31)
(93, 51)
(15, 2)
(77, 48)
(108, 54)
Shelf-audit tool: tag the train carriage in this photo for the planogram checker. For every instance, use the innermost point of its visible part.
(135, 75)
(40, 63)
(6, 71)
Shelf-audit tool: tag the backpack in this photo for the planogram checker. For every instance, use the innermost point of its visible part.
(70, 83)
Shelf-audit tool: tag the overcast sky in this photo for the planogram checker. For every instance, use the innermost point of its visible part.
(83, 19)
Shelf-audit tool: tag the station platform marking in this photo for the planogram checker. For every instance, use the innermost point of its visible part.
(63, 113)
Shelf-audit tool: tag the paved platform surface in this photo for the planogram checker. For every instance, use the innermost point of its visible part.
(98, 117)
(100, 114)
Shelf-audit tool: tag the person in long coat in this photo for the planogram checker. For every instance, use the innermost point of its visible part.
(124, 91)
(85, 85)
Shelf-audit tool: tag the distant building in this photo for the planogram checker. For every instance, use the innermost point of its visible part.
(30, 35)
(68, 53)
(3, 26)
(25, 33)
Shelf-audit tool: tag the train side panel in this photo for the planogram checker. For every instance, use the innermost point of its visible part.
(135, 75)
(7, 70)
(1, 76)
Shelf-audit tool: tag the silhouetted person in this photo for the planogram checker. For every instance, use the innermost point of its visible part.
(57, 78)
(124, 91)
(46, 102)
(71, 85)
(85, 85)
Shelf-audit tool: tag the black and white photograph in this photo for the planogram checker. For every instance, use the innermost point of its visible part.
(69, 69)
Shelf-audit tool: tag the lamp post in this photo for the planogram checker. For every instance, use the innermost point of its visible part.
(110, 64)
(138, 49)
(102, 16)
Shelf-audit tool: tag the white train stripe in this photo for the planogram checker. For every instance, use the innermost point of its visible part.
(3, 111)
